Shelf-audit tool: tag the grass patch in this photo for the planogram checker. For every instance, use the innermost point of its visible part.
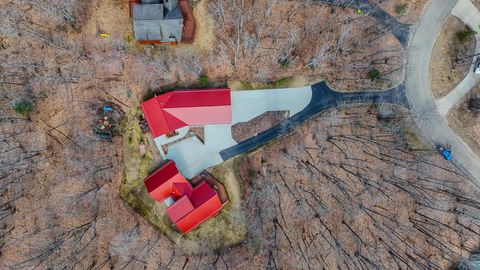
(281, 83)
(23, 107)
(401, 9)
(203, 81)
(466, 35)
(374, 74)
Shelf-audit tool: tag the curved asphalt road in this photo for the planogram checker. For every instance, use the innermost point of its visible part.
(417, 82)
(416, 94)
(323, 98)
(399, 30)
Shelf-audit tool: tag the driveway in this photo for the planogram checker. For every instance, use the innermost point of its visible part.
(247, 105)
(323, 98)
(192, 156)
(422, 104)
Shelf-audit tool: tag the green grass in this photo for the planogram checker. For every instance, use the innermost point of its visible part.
(465, 35)
(23, 107)
(401, 9)
(374, 74)
(281, 83)
(203, 81)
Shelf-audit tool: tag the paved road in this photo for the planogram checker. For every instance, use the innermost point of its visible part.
(419, 93)
(469, 14)
(399, 30)
(447, 102)
(323, 98)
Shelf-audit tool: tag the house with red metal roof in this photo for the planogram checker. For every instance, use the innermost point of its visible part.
(191, 205)
(171, 111)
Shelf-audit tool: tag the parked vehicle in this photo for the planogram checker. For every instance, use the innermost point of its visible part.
(445, 151)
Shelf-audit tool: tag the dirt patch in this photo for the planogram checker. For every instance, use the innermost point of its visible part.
(245, 130)
(465, 123)
(451, 59)
(404, 11)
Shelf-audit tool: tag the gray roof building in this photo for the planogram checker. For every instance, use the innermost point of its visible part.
(157, 20)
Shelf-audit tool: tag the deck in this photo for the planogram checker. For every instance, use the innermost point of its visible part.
(214, 183)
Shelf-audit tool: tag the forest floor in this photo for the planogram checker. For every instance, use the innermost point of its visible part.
(465, 123)
(326, 195)
(246, 130)
(451, 59)
(405, 11)
(297, 192)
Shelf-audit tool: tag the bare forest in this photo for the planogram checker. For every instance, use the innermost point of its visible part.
(349, 188)
(260, 39)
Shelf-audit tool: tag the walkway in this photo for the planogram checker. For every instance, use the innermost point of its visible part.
(423, 107)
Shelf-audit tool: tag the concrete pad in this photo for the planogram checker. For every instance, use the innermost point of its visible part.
(218, 137)
(192, 157)
(247, 105)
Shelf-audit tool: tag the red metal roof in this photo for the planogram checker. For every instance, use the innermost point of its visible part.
(173, 110)
(180, 209)
(159, 184)
(202, 193)
(208, 209)
(192, 206)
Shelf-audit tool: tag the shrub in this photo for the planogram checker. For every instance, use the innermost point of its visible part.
(203, 81)
(23, 107)
(401, 9)
(374, 74)
(465, 35)
(284, 63)
(474, 105)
